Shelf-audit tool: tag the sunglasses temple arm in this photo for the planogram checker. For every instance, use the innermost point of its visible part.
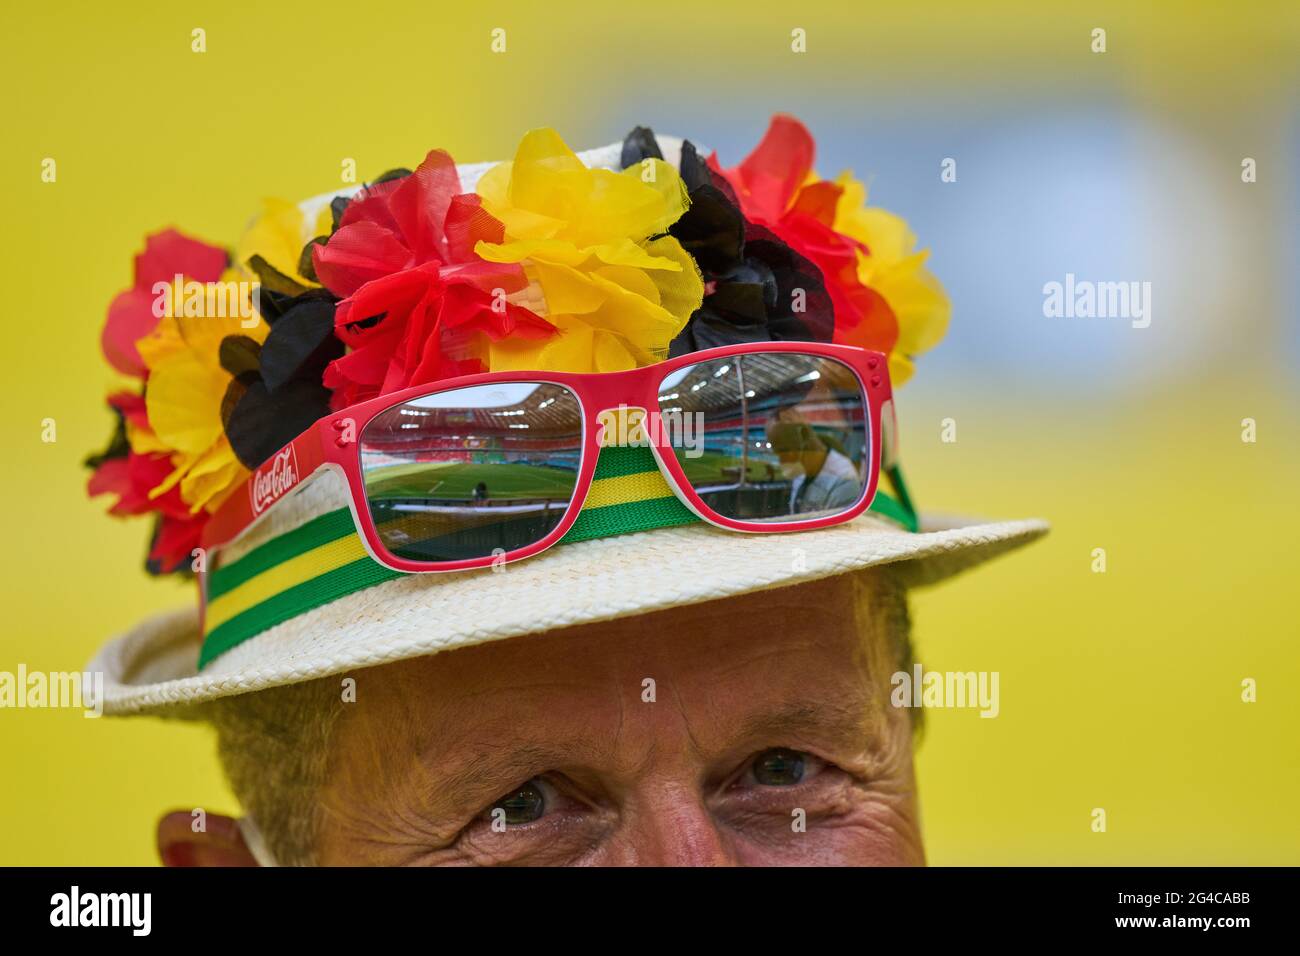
(899, 506)
(895, 474)
(237, 514)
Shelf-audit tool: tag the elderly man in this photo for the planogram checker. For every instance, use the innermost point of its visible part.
(750, 730)
(462, 600)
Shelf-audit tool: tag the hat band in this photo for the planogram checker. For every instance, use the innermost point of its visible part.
(325, 559)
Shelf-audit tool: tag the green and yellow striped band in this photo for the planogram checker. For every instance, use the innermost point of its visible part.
(325, 559)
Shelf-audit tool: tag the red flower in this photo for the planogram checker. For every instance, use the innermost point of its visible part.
(773, 189)
(418, 303)
(131, 315)
(132, 476)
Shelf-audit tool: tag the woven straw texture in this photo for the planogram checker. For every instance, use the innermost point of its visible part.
(153, 668)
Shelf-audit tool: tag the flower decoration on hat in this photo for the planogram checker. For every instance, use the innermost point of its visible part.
(418, 304)
(191, 361)
(757, 288)
(548, 264)
(617, 289)
(131, 476)
(883, 296)
(133, 315)
(890, 264)
(276, 390)
(169, 454)
(276, 247)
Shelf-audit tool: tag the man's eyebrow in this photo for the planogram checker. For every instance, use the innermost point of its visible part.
(833, 719)
(471, 784)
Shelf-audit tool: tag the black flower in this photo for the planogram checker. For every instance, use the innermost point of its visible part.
(756, 288)
(277, 393)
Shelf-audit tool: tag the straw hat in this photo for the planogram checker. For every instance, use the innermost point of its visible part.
(155, 667)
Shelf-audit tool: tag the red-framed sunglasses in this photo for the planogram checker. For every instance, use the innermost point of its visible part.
(466, 472)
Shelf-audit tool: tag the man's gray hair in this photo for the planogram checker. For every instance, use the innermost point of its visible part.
(274, 747)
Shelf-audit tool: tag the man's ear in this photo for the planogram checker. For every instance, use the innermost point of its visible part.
(219, 843)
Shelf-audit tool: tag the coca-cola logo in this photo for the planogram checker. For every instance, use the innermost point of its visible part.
(273, 479)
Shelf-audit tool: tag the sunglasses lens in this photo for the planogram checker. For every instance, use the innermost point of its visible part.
(472, 472)
(770, 436)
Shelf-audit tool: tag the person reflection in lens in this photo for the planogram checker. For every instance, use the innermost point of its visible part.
(822, 477)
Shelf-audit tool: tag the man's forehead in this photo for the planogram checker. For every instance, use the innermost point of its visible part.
(705, 684)
(765, 652)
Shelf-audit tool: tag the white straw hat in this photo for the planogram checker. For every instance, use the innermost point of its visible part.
(155, 668)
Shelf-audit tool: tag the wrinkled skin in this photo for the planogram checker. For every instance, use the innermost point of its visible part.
(605, 776)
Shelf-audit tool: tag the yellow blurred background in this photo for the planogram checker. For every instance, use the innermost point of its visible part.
(1119, 690)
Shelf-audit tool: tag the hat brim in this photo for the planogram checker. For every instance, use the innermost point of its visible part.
(153, 668)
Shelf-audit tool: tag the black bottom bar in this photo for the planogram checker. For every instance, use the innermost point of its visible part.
(299, 906)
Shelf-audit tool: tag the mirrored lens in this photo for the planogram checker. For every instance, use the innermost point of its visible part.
(472, 472)
(771, 436)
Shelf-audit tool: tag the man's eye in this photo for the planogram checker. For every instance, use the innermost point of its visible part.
(779, 767)
(524, 804)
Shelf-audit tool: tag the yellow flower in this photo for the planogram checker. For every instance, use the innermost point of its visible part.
(897, 272)
(584, 238)
(187, 384)
(279, 236)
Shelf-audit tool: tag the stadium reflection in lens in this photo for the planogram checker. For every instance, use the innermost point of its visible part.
(472, 472)
(769, 436)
